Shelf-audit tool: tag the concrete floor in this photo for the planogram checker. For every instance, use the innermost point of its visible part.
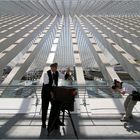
(97, 119)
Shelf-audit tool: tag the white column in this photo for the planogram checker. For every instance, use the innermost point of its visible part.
(77, 60)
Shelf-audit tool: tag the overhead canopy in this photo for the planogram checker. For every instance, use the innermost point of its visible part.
(70, 7)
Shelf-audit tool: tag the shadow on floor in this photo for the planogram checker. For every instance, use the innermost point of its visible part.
(133, 126)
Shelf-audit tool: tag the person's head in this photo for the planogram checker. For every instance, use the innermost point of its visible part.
(54, 67)
(117, 84)
(113, 87)
(68, 69)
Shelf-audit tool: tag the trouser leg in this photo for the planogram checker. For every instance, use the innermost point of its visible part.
(126, 102)
(129, 105)
(45, 96)
(45, 104)
(54, 115)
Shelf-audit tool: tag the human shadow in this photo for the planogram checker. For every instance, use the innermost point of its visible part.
(133, 126)
(63, 132)
(55, 134)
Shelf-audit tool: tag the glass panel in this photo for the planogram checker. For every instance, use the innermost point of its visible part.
(93, 89)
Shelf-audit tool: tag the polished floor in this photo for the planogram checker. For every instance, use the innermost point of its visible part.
(93, 119)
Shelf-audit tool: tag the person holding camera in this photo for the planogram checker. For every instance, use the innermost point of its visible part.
(50, 80)
(69, 78)
(129, 102)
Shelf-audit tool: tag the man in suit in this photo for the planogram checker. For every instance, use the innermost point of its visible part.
(50, 80)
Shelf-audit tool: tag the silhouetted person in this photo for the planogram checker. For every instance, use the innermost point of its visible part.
(50, 80)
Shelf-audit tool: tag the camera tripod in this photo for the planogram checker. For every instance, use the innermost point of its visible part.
(54, 116)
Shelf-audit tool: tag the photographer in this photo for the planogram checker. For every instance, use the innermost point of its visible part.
(129, 103)
(69, 78)
(50, 80)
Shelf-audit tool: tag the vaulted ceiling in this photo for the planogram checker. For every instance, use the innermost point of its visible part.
(70, 7)
(91, 34)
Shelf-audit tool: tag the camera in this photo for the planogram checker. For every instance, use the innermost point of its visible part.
(66, 96)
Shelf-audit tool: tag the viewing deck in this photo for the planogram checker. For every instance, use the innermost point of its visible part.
(94, 118)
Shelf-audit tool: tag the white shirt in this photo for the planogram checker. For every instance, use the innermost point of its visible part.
(46, 78)
(128, 88)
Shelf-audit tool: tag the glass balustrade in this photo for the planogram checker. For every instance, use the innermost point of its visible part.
(91, 89)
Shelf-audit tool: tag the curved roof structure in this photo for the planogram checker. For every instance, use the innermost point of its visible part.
(92, 34)
(70, 7)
